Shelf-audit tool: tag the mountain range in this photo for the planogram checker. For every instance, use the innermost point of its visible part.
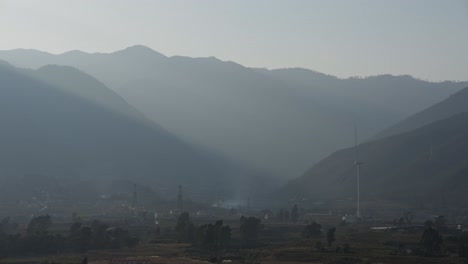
(455, 104)
(425, 164)
(60, 123)
(278, 121)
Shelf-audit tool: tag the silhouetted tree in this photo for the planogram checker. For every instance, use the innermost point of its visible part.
(431, 240)
(185, 228)
(408, 218)
(38, 240)
(85, 238)
(101, 238)
(280, 215)
(39, 225)
(249, 229)
(331, 236)
(79, 237)
(463, 245)
(214, 238)
(294, 214)
(120, 237)
(312, 230)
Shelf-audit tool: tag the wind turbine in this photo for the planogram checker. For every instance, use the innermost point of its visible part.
(358, 164)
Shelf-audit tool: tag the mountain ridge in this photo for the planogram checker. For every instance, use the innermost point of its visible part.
(276, 121)
(455, 104)
(49, 131)
(411, 168)
(139, 47)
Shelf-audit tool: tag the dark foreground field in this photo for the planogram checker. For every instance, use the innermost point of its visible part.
(277, 243)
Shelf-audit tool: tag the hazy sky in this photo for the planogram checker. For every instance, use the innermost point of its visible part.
(427, 38)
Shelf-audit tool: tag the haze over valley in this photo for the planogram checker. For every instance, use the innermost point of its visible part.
(278, 121)
(176, 131)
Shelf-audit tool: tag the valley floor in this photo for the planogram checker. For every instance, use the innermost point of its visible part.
(278, 243)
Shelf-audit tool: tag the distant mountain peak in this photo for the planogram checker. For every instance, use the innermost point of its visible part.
(140, 50)
(211, 60)
(74, 52)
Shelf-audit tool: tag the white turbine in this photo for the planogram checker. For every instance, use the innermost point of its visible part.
(358, 164)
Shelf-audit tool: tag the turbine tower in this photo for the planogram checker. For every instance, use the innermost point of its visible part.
(180, 199)
(358, 164)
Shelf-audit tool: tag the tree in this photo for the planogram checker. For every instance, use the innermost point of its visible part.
(331, 236)
(214, 238)
(282, 215)
(120, 237)
(312, 230)
(409, 218)
(463, 245)
(431, 240)
(101, 237)
(38, 240)
(85, 238)
(249, 229)
(39, 225)
(294, 214)
(75, 238)
(223, 235)
(184, 228)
